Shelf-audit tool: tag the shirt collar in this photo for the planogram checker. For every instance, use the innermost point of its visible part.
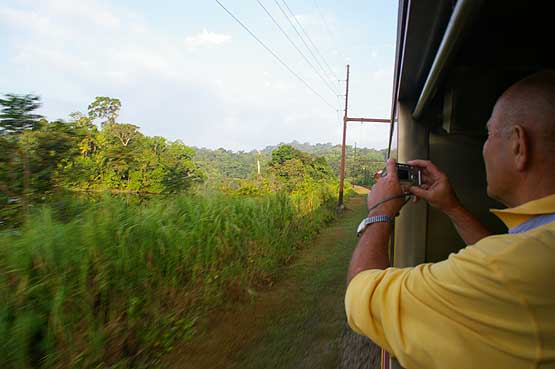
(513, 217)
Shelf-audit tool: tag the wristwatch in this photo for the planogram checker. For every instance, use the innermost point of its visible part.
(373, 219)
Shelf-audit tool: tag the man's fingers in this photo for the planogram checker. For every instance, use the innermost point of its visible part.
(391, 168)
(426, 178)
(427, 165)
(420, 163)
(419, 192)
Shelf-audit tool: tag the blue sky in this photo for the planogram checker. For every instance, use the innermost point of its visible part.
(186, 70)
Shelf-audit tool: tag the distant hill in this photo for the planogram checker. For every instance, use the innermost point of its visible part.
(323, 149)
(219, 164)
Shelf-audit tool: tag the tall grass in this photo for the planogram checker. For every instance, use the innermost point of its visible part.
(117, 283)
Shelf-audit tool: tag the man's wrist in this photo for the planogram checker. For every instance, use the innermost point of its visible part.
(380, 211)
(454, 211)
(389, 206)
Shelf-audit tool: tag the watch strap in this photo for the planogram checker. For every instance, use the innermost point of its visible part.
(373, 219)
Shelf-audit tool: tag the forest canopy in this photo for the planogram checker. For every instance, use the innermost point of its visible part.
(94, 151)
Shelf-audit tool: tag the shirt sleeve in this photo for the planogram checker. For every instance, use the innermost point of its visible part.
(433, 315)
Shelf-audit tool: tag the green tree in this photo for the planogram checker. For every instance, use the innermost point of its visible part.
(80, 120)
(104, 108)
(48, 148)
(124, 132)
(294, 169)
(8, 168)
(286, 152)
(320, 168)
(182, 172)
(17, 113)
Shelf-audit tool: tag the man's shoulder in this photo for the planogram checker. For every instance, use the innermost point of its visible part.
(540, 239)
(525, 260)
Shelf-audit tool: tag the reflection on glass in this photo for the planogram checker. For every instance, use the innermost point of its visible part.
(394, 141)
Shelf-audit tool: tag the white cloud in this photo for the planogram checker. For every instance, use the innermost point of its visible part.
(206, 38)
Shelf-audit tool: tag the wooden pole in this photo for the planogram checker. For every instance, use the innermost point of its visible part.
(346, 119)
(342, 170)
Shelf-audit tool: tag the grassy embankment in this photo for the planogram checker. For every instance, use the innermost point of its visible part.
(297, 324)
(111, 283)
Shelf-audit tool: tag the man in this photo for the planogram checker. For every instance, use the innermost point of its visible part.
(491, 305)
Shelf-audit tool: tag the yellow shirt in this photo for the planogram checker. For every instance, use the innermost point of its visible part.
(491, 305)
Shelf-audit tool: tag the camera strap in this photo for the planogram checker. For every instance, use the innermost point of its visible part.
(406, 196)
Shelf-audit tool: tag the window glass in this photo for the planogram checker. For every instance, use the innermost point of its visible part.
(394, 139)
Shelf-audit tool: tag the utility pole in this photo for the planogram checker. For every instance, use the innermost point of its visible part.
(342, 169)
(346, 119)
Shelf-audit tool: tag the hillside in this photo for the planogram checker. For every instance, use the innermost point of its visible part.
(226, 164)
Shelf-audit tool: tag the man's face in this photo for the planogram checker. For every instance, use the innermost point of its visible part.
(497, 155)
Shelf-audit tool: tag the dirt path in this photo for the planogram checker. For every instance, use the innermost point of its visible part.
(299, 323)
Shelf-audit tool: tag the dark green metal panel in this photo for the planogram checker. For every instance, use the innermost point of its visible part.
(460, 156)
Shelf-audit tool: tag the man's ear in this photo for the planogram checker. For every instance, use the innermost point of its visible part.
(520, 147)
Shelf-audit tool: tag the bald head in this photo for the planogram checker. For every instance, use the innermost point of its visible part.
(530, 103)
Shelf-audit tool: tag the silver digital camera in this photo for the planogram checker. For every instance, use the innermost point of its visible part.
(408, 174)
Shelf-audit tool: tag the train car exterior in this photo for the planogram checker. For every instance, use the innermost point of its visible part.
(453, 60)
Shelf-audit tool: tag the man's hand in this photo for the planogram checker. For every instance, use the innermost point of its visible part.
(436, 188)
(385, 187)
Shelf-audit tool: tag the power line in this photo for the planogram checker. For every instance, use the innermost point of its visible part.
(295, 46)
(300, 36)
(327, 27)
(309, 39)
(275, 56)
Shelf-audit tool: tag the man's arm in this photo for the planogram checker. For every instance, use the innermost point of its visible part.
(468, 227)
(432, 315)
(371, 251)
(437, 191)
